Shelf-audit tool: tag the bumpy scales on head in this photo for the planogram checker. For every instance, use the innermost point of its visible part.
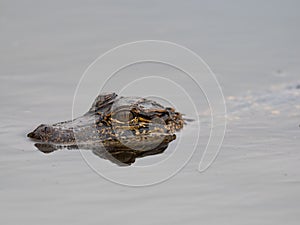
(116, 123)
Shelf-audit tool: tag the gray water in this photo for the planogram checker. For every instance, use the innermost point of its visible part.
(252, 46)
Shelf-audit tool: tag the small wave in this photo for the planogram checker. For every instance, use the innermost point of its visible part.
(277, 100)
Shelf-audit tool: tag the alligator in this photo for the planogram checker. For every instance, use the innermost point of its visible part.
(125, 128)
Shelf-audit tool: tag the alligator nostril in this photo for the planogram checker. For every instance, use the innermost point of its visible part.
(44, 128)
(47, 129)
(30, 135)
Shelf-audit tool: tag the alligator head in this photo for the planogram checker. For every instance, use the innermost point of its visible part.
(116, 124)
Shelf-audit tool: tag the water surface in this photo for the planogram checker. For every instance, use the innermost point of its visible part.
(251, 46)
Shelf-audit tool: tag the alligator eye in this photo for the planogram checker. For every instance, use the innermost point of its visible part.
(123, 116)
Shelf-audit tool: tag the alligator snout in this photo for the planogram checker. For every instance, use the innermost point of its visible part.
(51, 133)
(41, 132)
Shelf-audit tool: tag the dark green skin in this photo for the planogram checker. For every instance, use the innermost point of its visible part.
(122, 127)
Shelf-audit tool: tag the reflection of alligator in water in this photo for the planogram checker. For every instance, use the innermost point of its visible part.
(118, 128)
(121, 157)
